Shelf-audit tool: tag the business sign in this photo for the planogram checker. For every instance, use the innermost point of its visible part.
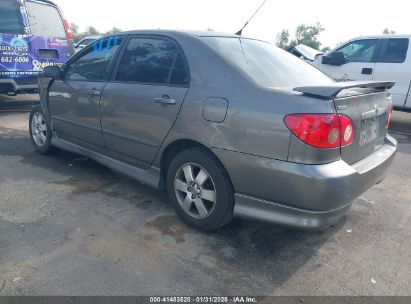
(20, 54)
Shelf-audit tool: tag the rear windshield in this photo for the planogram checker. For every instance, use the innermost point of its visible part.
(45, 20)
(10, 18)
(266, 64)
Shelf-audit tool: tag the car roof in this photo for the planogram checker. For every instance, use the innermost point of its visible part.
(44, 1)
(381, 36)
(175, 33)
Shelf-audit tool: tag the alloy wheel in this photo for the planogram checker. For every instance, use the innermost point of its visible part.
(39, 129)
(195, 190)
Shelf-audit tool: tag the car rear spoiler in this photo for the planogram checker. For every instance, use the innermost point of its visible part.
(334, 89)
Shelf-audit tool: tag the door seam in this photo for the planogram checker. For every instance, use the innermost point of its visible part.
(99, 113)
(408, 94)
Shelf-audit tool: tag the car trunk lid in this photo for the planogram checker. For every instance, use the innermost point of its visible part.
(368, 104)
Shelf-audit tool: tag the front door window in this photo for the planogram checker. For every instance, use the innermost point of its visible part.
(94, 63)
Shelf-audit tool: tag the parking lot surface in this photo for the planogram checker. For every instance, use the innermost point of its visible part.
(18, 103)
(69, 226)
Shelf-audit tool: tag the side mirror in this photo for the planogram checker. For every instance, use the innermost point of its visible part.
(334, 58)
(53, 72)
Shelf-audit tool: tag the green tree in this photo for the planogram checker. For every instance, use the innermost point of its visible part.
(283, 40)
(77, 35)
(386, 31)
(325, 49)
(113, 30)
(74, 29)
(304, 34)
(92, 31)
(308, 35)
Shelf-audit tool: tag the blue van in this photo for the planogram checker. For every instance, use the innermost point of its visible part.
(33, 34)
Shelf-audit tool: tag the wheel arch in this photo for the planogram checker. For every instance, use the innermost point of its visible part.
(176, 147)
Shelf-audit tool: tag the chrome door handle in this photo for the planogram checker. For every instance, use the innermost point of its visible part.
(165, 99)
(94, 93)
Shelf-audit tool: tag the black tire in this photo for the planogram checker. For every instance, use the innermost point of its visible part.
(222, 211)
(43, 147)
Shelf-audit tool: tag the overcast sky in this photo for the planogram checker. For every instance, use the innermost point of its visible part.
(342, 20)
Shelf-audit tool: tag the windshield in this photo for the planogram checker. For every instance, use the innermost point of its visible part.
(10, 18)
(266, 64)
(45, 20)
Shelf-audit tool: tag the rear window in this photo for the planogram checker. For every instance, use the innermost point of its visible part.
(395, 50)
(179, 76)
(147, 60)
(10, 18)
(266, 64)
(45, 20)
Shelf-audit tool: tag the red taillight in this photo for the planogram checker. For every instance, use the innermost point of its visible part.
(387, 124)
(323, 131)
(347, 130)
(68, 30)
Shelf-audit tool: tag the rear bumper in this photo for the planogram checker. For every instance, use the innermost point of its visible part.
(253, 208)
(298, 195)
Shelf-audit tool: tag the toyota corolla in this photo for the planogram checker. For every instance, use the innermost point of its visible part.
(229, 126)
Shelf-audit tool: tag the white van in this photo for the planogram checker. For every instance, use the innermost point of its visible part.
(384, 57)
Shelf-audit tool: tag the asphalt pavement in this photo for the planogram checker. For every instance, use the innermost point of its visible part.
(69, 226)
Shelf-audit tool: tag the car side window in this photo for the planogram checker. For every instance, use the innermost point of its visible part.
(94, 63)
(359, 50)
(86, 42)
(179, 76)
(148, 60)
(395, 50)
(10, 18)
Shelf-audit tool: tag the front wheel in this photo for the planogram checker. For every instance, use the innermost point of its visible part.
(40, 133)
(200, 189)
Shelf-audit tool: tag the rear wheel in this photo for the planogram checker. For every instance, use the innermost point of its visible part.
(200, 189)
(40, 133)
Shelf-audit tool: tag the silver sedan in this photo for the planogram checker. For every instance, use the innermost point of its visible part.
(227, 125)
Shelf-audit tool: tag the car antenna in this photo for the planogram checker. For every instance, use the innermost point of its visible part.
(255, 13)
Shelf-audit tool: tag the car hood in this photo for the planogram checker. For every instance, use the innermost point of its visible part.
(307, 52)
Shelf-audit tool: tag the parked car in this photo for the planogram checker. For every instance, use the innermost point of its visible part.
(384, 57)
(230, 126)
(33, 34)
(84, 42)
(305, 52)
